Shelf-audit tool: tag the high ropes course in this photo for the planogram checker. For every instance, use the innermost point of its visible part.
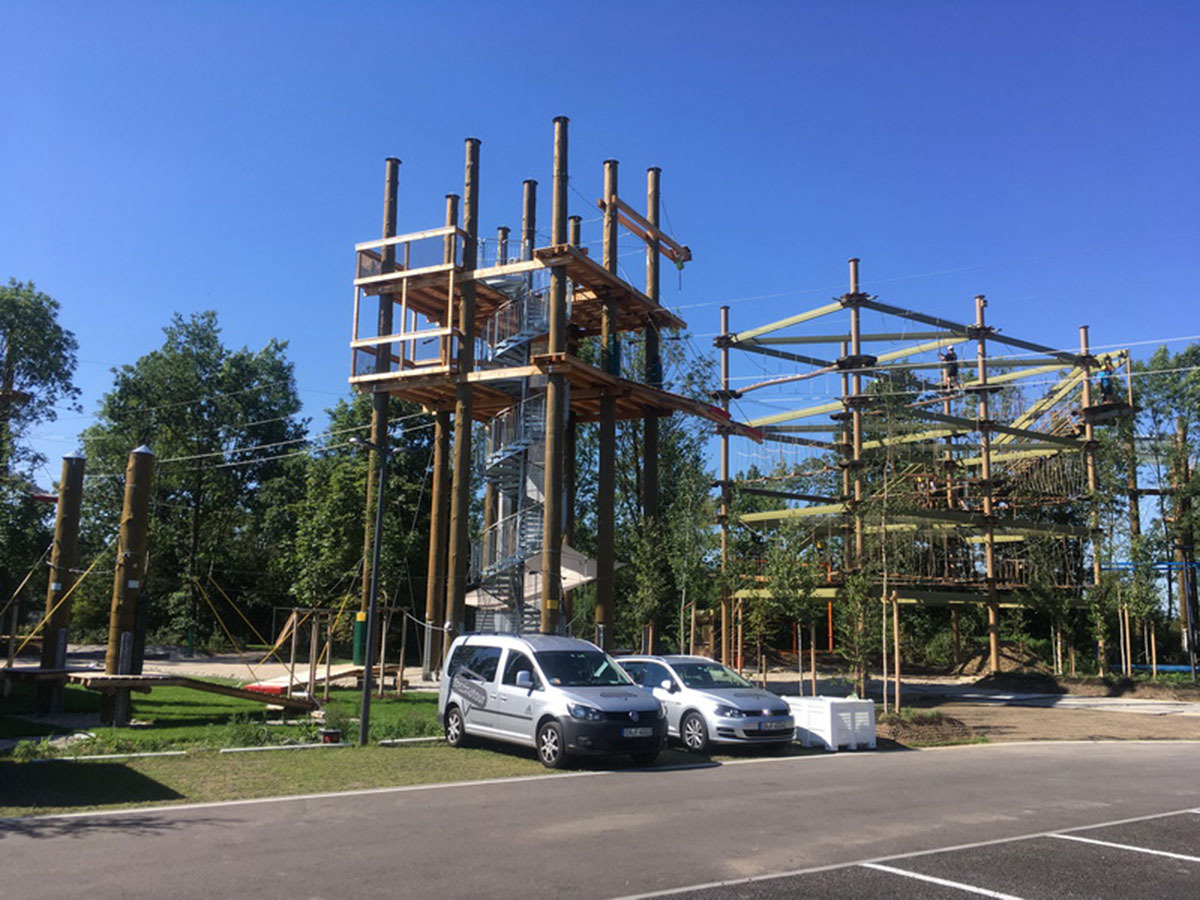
(962, 456)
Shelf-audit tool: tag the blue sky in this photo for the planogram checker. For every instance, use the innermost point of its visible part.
(163, 157)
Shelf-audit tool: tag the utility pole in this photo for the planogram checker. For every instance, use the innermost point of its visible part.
(556, 399)
(128, 582)
(1089, 437)
(64, 558)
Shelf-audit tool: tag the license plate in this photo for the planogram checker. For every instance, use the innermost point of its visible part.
(637, 732)
(773, 726)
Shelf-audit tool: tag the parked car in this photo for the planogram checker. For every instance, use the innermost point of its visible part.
(560, 695)
(708, 703)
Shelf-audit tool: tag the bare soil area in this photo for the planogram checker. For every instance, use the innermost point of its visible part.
(1026, 723)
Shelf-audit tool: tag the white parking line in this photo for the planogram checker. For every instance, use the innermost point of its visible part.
(896, 857)
(1075, 837)
(957, 885)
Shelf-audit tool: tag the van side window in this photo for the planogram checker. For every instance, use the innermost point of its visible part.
(518, 662)
(482, 663)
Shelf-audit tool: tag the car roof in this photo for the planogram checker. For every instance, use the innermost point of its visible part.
(667, 658)
(534, 642)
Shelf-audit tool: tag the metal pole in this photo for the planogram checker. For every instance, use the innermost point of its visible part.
(985, 451)
(606, 478)
(364, 721)
(128, 581)
(556, 400)
(439, 516)
(460, 501)
(64, 557)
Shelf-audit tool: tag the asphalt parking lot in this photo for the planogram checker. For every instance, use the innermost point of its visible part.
(1158, 857)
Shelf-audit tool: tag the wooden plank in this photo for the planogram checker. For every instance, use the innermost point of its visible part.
(404, 336)
(411, 236)
(800, 512)
(805, 413)
(784, 323)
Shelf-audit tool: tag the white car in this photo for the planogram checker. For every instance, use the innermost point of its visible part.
(560, 695)
(708, 703)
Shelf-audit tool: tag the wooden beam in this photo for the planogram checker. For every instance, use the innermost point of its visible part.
(800, 512)
(805, 413)
(784, 323)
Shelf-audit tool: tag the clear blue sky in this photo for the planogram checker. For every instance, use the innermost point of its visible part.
(163, 157)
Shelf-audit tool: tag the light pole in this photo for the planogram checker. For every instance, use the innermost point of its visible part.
(364, 721)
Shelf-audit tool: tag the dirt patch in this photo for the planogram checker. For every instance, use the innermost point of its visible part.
(1012, 658)
(1025, 723)
(926, 729)
(1045, 683)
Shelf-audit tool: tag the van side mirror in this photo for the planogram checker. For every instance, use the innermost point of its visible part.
(524, 679)
(668, 685)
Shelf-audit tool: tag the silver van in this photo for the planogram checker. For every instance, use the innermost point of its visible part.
(708, 703)
(560, 695)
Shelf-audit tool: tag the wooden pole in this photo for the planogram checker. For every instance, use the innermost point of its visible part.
(989, 532)
(64, 557)
(726, 600)
(896, 638)
(556, 399)
(812, 654)
(883, 643)
(128, 581)
(383, 363)
(606, 478)
(459, 549)
(328, 655)
(387, 624)
(1089, 435)
(292, 656)
(437, 637)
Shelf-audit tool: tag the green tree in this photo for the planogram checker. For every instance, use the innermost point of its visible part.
(226, 430)
(37, 364)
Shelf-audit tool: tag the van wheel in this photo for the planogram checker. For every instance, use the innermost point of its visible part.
(694, 732)
(550, 746)
(644, 759)
(456, 735)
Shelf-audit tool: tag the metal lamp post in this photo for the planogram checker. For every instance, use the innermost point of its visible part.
(364, 722)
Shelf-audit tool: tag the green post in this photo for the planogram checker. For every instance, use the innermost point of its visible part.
(360, 638)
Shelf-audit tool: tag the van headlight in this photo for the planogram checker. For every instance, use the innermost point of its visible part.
(586, 713)
(730, 712)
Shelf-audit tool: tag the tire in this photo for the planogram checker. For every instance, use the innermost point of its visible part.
(694, 733)
(645, 759)
(551, 746)
(456, 733)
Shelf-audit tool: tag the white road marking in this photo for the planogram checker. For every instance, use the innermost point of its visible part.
(896, 857)
(1075, 837)
(957, 885)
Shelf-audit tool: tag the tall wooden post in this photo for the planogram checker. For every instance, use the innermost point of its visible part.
(556, 399)
(1183, 544)
(726, 599)
(437, 641)
(460, 497)
(128, 581)
(985, 452)
(653, 374)
(1089, 436)
(64, 557)
(606, 478)
(383, 363)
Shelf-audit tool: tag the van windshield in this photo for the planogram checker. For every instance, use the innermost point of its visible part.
(580, 668)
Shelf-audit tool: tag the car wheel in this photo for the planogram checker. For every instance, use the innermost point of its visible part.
(456, 735)
(644, 759)
(694, 732)
(551, 746)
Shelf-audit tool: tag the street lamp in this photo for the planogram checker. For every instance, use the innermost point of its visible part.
(364, 721)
